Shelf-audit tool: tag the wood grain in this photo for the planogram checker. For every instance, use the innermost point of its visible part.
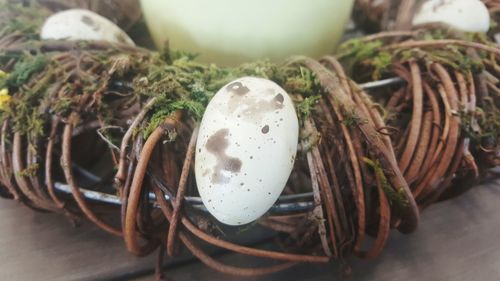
(37, 246)
(457, 240)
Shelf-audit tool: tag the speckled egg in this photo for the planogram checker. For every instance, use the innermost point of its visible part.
(80, 24)
(245, 149)
(463, 15)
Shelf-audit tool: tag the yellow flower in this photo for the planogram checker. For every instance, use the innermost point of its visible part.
(4, 98)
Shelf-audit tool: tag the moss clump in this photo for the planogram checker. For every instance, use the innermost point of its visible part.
(397, 196)
(23, 71)
(357, 53)
(30, 171)
(305, 107)
(18, 18)
(22, 108)
(481, 125)
(299, 80)
(166, 107)
(451, 56)
(63, 106)
(179, 83)
(351, 118)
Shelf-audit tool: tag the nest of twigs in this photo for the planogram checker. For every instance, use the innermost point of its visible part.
(372, 161)
(383, 15)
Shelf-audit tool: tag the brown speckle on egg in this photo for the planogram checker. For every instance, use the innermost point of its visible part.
(278, 100)
(90, 22)
(248, 105)
(237, 88)
(265, 129)
(120, 38)
(87, 20)
(232, 164)
(217, 145)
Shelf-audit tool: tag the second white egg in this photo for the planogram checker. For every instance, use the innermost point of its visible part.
(245, 149)
(80, 24)
(463, 15)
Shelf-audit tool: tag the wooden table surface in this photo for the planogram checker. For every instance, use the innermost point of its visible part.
(457, 240)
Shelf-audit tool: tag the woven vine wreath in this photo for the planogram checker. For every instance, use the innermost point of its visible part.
(371, 163)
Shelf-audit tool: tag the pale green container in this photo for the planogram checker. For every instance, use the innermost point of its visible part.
(229, 32)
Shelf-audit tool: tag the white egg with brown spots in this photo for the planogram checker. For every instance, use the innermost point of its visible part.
(80, 24)
(463, 15)
(245, 149)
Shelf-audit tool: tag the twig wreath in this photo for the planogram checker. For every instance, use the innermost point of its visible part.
(372, 162)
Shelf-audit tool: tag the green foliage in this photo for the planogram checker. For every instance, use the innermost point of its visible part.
(25, 20)
(483, 123)
(358, 49)
(23, 71)
(62, 106)
(381, 64)
(165, 108)
(351, 118)
(396, 197)
(24, 102)
(299, 80)
(184, 84)
(369, 60)
(357, 53)
(305, 107)
(30, 171)
(452, 56)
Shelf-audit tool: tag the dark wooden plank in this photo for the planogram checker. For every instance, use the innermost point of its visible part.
(458, 240)
(35, 246)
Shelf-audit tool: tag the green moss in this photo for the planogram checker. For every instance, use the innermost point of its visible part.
(305, 107)
(299, 80)
(23, 70)
(165, 108)
(184, 84)
(62, 106)
(357, 52)
(396, 197)
(359, 49)
(368, 60)
(23, 108)
(30, 171)
(451, 56)
(482, 123)
(351, 118)
(25, 20)
(381, 64)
